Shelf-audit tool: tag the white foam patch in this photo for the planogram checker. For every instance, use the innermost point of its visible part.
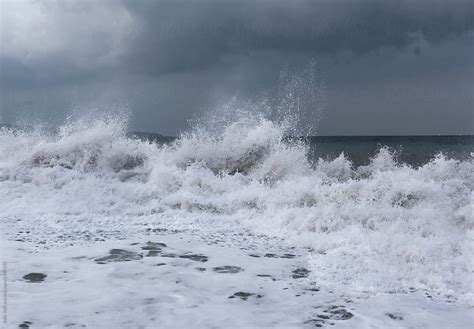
(233, 288)
(386, 227)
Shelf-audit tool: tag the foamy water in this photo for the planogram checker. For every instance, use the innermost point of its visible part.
(381, 227)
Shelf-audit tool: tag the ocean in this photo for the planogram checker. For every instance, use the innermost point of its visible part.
(377, 231)
(359, 150)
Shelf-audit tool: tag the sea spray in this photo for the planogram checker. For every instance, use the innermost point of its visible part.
(385, 226)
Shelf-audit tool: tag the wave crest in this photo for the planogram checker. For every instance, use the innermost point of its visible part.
(378, 227)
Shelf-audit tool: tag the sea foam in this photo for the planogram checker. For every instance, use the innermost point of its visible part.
(383, 227)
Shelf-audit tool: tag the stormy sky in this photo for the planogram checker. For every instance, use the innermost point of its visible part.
(380, 67)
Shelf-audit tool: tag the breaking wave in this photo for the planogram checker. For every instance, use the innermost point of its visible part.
(380, 227)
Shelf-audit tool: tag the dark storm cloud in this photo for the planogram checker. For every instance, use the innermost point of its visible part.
(390, 66)
(181, 35)
(76, 41)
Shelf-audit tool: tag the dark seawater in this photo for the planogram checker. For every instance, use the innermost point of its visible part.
(412, 150)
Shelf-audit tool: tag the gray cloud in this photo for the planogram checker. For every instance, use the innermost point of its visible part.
(389, 62)
(180, 35)
(55, 42)
(68, 40)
